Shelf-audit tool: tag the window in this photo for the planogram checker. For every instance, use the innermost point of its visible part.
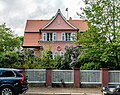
(44, 36)
(55, 54)
(8, 74)
(62, 54)
(49, 36)
(54, 36)
(73, 37)
(67, 35)
(63, 36)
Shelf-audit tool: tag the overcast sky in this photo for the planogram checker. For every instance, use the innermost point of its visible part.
(15, 13)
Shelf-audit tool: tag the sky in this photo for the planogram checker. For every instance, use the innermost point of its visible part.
(15, 13)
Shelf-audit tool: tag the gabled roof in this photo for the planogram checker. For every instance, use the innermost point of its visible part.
(35, 25)
(59, 14)
(32, 34)
(80, 24)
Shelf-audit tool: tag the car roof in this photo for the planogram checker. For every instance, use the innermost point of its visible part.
(112, 86)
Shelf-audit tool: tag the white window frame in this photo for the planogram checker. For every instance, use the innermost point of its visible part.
(63, 36)
(49, 36)
(61, 53)
(55, 54)
(44, 36)
(68, 36)
(73, 36)
(54, 36)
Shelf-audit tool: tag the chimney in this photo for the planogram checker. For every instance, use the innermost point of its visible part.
(70, 18)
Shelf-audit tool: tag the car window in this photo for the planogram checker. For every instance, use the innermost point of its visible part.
(0, 74)
(8, 74)
(112, 86)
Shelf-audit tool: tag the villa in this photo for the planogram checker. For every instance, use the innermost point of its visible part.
(52, 35)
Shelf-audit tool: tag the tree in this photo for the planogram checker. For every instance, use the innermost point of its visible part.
(102, 39)
(10, 44)
(8, 59)
(46, 59)
(71, 58)
(8, 41)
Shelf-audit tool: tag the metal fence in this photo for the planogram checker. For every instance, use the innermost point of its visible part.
(66, 76)
(90, 77)
(36, 75)
(114, 76)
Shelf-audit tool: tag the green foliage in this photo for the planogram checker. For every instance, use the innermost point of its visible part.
(8, 41)
(8, 59)
(101, 41)
(10, 44)
(46, 60)
(91, 66)
(71, 58)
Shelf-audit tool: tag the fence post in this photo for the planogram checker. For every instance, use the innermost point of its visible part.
(104, 76)
(76, 77)
(48, 77)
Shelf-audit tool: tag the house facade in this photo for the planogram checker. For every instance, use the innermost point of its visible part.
(52, 35)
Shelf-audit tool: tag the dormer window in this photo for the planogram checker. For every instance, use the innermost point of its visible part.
(54, 36)
(73, 37)
(63, 36)
(44, 35)
(68, 36)
(49, 36)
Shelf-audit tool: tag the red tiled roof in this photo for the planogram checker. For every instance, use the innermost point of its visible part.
(31, 39)
(32, 34)
(35, 25)
(80, 24)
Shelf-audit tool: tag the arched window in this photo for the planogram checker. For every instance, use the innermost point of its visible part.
(73, 37)
(63, 36)
(54, 36)
(62, 54)
(55, 54)
(44, 36)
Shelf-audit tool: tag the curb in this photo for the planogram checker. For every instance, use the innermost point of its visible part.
(37, 93)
